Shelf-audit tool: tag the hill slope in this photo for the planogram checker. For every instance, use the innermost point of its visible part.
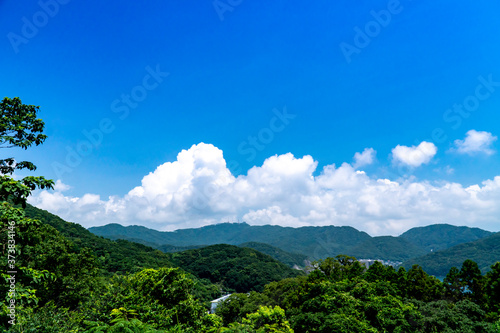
(387, 248)
(240, 268)
(442, 236)
(485, 252)
(291, 259)
(314, 242)
(115, 256)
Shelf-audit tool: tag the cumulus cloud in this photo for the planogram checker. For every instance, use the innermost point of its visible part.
(414, 156)
(475, 142)
(198, 189)
(365, 158)
(59, 186)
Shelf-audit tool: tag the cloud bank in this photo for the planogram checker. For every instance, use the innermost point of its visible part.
(198, 189)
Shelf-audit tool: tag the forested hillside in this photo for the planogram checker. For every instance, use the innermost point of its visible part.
(231, 267)
(314, 242)
(63, 287)
(236, 268)
(114, 256)
(442, 236)
(386, 248)
(484, 251)
(291, 259)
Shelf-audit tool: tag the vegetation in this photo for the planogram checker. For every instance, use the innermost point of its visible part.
(484, 251)
(65, 290)
(312, 242)
(442, 236)
(291, 259)
(235, 268)
(386, 248)
(341, 296)
(119, 256)
(19, 128)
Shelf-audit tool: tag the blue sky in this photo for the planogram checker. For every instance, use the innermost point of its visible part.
(233, 68)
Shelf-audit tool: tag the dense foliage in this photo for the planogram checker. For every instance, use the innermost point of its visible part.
(484, 251)
(119, 256)
(291, 259)
(235, 268)
(341, 296)
(388, 248)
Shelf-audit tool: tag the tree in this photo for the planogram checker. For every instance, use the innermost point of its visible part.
(473, 281)
(19, 127)
(264, 320)
(454, 285)
(268, 319)
(339, 268)
(493, 288)
(378, 271)
(422, 286)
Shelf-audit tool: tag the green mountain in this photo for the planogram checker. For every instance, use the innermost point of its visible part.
(240, 268)
(167, 248)
(172, 248)
(291, 259)
(386, 248)
(114, 256)
(442, 236)
(68, 287)
(485, 252)
(314, 242)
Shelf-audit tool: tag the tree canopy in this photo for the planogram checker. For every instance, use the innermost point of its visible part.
(19, 127)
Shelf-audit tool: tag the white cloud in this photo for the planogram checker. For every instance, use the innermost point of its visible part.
(475, 142)
(197, 189)
(59, 186)
(365, 158)
(414, 156)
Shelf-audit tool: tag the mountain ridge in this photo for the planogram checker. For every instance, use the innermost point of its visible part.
(485, 252)
(314, 242)
(437, 237)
